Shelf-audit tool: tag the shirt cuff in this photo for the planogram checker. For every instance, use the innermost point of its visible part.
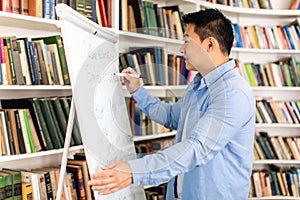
(139, 174)
(140, 93)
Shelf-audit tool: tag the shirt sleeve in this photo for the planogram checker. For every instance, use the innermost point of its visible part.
(163, 113)
(228, 112)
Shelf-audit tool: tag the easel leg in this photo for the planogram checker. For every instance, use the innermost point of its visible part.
(66, 151)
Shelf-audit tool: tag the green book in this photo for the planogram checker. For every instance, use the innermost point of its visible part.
(32, 148)
(55, 120)
(16, 182)
(50, 124)
(8, 188)
(2, 187)
(56, 39)
(43, 124)
(76, 132)
(61, 118)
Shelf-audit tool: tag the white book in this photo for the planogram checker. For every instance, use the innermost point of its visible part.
(5, 132)
(24, 62)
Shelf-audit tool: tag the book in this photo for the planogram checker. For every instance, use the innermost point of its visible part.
(32, 71)
(24, 62)
(27, 191)
(25, 134)
(16, 183)
(38, 121)
(52, 128)
(39, 184)
(35, 8)
(75, 132)
(24, 9)
(8, 188)
(15, 46)
(85, 174)
(47, 180)
(13, 125)
(56, 39)
(44, 79)
(2, 187)
(61, 118)
(10, 64)
(56, 65)
(4, 132)
(76, 170)
(9, 134)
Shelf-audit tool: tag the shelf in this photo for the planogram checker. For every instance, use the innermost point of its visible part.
(162, 91)
(149, 37)
(285, 130)
(277, 93)
(251, 11)
(274, 198)
(283, 126)
(22, 25)
(31, 91)
(280, 162)
(152, 137)
(38, 154)
(265, 51)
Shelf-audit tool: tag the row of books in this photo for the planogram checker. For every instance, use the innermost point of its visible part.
(42, 183)
(150, 18)
(275, 181)
(32, 125)
(36, 8)
(142, 125)
(157, 65)
(143, 148)
(282, 112)
(258, 4)
(268, 37)
(283, 73)
(276, 147)
(33, 61)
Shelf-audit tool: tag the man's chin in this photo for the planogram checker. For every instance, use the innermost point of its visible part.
(189, 66)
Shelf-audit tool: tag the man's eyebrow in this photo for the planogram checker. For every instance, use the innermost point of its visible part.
(185, 35)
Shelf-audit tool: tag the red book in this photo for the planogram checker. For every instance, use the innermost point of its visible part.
(102, 13)
(24, 10)
(15, 6)
(108, 12)
(6, 5)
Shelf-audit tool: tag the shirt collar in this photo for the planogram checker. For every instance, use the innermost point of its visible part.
(214, 75)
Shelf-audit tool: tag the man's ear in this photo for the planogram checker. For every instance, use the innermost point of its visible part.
(211, 44)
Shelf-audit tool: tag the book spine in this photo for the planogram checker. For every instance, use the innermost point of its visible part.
(43, 124)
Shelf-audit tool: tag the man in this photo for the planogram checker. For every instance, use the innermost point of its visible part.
(215, 119)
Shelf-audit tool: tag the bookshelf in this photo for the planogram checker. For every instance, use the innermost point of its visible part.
(23, 26)
(28, 26)
(244, 16)
(247, 17)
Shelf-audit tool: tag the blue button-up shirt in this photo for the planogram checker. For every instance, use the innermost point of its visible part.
(213, 150)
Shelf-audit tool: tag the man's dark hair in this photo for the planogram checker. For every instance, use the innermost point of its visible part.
(212, 23)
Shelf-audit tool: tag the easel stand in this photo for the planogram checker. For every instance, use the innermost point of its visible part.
(66, 151)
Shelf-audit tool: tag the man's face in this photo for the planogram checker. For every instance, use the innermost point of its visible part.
(189, 36)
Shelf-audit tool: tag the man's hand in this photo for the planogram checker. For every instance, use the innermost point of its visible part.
(112, 178)
(132, 84)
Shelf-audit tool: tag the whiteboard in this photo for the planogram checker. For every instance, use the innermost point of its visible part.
(92, 58)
